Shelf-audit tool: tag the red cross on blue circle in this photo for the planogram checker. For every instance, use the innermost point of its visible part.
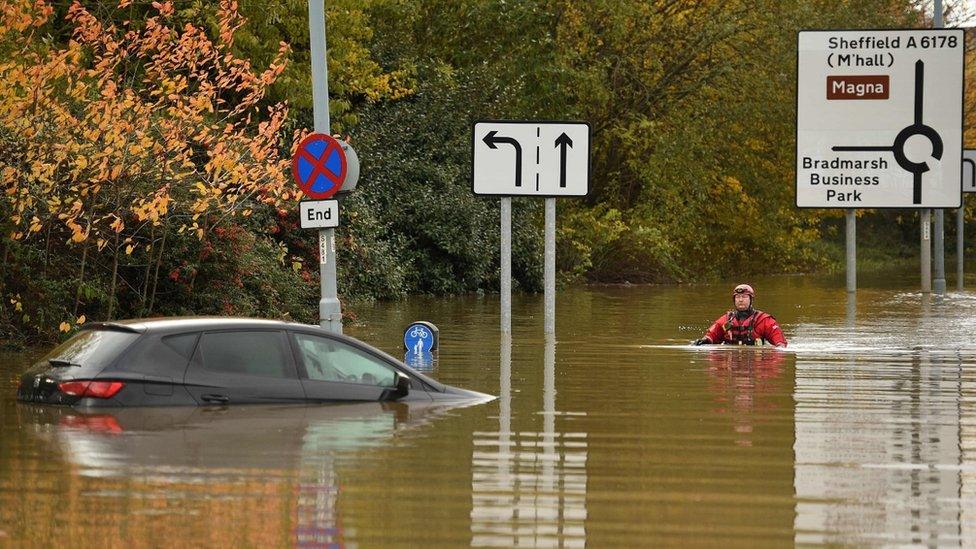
(319, 165)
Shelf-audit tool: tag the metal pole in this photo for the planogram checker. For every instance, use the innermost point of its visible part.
(851, 310)
(851, 250)
(550, 267)
(505, 407)
(330, 310)
(506, 260)
(939, 237)
(960, 226)
(926, 245)
(548, 476)
(938, 242)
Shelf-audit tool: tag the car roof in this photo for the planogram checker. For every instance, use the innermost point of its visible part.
(176, 324)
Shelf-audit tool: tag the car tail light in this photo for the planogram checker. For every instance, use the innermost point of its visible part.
(91, 389)
(73, 388)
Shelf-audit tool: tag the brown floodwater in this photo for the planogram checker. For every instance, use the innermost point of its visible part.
(616, 433)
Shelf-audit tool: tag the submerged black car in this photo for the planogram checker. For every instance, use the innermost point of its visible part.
(201, 361)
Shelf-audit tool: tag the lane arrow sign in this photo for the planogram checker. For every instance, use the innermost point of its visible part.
(562, 142)
(491, 140)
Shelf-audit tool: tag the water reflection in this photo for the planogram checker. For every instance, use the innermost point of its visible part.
(850, 318)
(423, 361)
(261, 449)
(190, 443)
(863, 432)
(743, 380)
(528, 488)
(878, 451)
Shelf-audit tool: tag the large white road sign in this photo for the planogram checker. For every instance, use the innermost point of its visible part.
(530, 158)
(879, 119)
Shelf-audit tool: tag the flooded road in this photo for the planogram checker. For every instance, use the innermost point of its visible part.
(616, 433)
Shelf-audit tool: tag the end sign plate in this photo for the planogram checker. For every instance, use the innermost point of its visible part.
(879, 118)
(318, 214)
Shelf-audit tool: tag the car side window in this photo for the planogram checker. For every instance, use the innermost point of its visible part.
(330, 360)
(181, 343)
(249, 353)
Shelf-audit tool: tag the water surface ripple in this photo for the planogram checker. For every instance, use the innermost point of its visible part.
(615, 433)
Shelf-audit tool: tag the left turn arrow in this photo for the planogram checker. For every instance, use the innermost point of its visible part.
(492, 140)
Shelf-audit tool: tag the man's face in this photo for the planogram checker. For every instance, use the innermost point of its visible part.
(742, 301)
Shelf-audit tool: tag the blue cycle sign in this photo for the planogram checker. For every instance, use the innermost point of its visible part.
(420, 337)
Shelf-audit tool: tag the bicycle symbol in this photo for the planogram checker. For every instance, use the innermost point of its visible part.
(420, 332)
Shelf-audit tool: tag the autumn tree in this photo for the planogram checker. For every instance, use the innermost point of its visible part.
(124, 137)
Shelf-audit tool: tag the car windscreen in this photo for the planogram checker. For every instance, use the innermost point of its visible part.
(90, 349)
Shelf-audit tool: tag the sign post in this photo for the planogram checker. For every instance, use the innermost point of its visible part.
(506, 263)
(968, 186)
(879, 121)
(850, 242)
(330, 310)
(525, 158)
(939, 241)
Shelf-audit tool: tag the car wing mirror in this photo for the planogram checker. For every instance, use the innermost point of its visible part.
(402, 385)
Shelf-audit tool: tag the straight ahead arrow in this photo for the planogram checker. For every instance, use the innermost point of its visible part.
(491, 140)
(562, 142)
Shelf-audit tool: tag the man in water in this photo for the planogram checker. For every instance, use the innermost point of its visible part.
(744, 325)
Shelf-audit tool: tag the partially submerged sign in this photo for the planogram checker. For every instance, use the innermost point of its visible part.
(530, 158)
(879, 118)
(318, 214)
(421, 337)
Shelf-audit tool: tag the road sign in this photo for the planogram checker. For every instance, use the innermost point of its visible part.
(352, 168)
(530, 158)
(969, 171)
(879, 118)
(421, 337)
(318, 214)
(319, 166)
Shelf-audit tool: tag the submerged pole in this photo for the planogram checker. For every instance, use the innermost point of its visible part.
(939, 236)
(925, 242)
(550, 267)
(960, 227)
(851, 241)
(506, 261)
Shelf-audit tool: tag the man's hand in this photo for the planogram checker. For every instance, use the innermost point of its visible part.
(701, 341)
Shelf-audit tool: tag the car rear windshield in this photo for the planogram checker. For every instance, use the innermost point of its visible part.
(91, 348)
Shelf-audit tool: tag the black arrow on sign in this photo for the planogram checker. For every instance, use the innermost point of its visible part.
(562, 142)
(491, 141)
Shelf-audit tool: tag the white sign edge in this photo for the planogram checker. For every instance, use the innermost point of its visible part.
(589, 160)
(796, 138)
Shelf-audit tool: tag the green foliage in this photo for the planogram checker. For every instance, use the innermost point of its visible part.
(416, 196)
(356, 78)
(692, 109)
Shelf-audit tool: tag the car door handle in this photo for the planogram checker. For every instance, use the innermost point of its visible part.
(218, 399)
